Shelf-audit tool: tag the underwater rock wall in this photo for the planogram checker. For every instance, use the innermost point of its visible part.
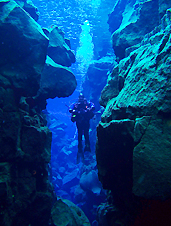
(131, 20)
(96, 78)
(134, 135)
(26, 195)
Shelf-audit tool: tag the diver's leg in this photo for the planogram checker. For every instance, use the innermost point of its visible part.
(80, 153)
(79, 140)
(87, 139)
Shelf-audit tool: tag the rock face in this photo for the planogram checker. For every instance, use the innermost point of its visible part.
(56, 81)
(59, 48)
(151, 157)
(131, 20)
(25, 141)
(23, 53)
(115, 164)
(96, 77)
(26, 195)
(28, 6)
(74, 217)
(134, 135)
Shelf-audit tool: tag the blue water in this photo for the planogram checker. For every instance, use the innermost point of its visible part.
(84, 22)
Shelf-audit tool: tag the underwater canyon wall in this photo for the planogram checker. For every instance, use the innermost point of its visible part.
(33, 67)
(134, 135)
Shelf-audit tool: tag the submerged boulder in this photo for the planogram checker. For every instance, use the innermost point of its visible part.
(56, 81)
(29, 7)
(59, 48)
(23, 48)
(89, 182)
(65, 213)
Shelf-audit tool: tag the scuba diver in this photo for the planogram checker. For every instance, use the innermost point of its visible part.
(81, 113)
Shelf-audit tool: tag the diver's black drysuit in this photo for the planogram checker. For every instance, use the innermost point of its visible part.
(82, 112)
